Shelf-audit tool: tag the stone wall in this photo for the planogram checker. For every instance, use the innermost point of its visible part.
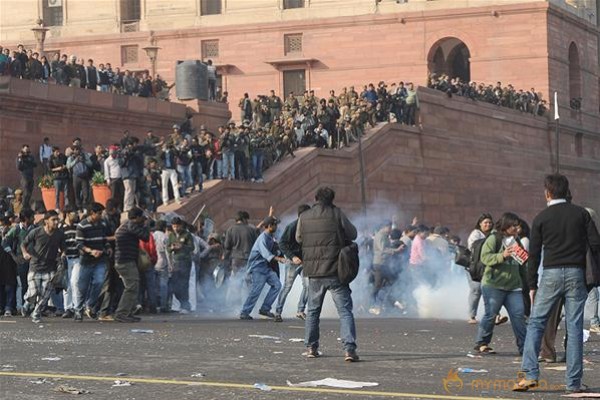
(30, 111)
(470, 157)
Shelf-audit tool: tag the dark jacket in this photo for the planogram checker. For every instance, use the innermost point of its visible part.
(26, 165)
(56, 162)
(288, 244)
(127, 239)
(323, 231)
(239, 240)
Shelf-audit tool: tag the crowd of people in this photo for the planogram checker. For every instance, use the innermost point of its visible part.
(504, 96)
(78, 72)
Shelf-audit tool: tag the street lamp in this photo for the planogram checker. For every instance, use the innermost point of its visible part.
(40, 35)
(152, 52)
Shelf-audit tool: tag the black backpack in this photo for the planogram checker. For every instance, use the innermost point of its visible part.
(476, 267)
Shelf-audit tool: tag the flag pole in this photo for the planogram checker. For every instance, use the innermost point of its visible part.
(557, 126)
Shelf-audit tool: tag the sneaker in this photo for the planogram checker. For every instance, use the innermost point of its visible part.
(301, 315)
(78, 317)
(25, 311)
(312, 352)
(278, 318)
(501, 319)
(134, 318)
(36, 319)
(106, 318)
(351, 356)
(90, 314)
(183, 311)
(267, 314)
(472, 321)
(375, 310)
(581, 389)
(68, 314)
(595, 328)
(58, 313)
(123, 318)
(7, 313)
(246, 317)
(137, 310)
(399, 306)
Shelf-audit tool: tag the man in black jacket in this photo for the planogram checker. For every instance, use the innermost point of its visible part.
(292, 251)
(564, 231)
(323, 231)
(127, 250)
(26, 164)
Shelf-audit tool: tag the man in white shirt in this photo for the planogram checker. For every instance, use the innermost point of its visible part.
(45, 153)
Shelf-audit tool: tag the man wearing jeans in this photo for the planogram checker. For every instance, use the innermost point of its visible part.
(564, 231)
(88, 274)
(264, 251)
(293, 252)
(323, 231)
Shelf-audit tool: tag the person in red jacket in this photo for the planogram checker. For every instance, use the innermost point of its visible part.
(148, 279)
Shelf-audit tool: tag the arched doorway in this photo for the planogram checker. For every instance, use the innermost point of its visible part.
(450, 56)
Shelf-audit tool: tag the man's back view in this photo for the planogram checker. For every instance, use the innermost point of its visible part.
(564, 231)
(323, 231)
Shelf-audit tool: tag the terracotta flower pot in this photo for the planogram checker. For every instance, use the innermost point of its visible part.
(49, 198)
(101, 194)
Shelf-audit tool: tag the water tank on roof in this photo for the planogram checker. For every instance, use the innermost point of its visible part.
(191, 80)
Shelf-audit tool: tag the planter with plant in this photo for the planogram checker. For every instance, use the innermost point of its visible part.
(46, 185)
(100, 189)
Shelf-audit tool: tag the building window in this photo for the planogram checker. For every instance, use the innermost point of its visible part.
(210, 7)
(292, 43)
(294, 81)
(574, 77)
(210, 49)
(288, 4)
(130, 10)
(129, 54)
(52, 12)
(579, 144)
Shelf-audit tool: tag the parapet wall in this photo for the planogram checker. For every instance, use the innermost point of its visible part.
(30, 111)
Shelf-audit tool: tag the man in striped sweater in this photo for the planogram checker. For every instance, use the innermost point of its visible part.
(127, 252)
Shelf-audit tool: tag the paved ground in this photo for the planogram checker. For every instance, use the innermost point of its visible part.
(408, 358)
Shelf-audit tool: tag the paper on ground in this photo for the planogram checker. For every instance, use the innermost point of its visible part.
(583, 395)
(558, 368)
(264, 337)
(332, 382)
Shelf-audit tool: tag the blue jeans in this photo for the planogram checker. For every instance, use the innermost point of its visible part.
(68, 298)
(179, 282)
(493, 300)
(86, 282)
(570, 284)
(592, 303)
(257, 163)
(291, 272)
(197, 174)
(60, 185)
(148, 287)
(228, 164)
(474, 296)
(162, 280)
(342, 297)
(8, 298)
(261, 277)
(186, 178)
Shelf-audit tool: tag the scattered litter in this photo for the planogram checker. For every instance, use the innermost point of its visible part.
(8, 322)
(339, 339)
(241, 357)
(263, 387)
(278, 352)
(71, 390)
(586, 361)
(278, 341)
(237, 340)
(121, 374)
(40, 326)
(51, 359)
(7, 367)
(332, 382)
(424, 330)
(119, 383)
(586, 335)
(558, 368)
(296, 340)
(142, 331)
(472, 371)
(198, 375)
(583, 395)
(264, 337)
(97, 333)
(306, 353)
(474, 355)
(39, 381)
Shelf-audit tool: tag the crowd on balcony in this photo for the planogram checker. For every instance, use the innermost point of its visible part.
(77, 72)
(528, 101)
